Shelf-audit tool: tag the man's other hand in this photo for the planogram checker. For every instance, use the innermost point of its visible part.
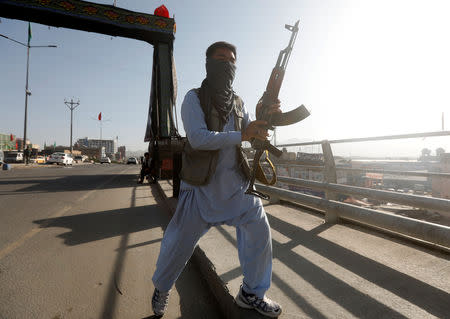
(256, 129)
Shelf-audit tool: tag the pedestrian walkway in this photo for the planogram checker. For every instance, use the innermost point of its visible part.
(330, 271)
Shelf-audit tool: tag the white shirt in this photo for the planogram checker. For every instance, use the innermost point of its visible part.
(224, 196)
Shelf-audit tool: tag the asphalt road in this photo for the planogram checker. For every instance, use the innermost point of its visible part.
(82, 242)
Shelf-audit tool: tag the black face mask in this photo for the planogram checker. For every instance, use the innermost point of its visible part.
(220, 74)
(217, 88)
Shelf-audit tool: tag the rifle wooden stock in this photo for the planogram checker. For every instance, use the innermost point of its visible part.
(274, 84)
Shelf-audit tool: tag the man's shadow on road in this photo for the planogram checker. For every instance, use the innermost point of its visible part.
(89, 227)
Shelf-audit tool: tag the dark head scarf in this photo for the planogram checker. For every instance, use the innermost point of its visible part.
(217, 88)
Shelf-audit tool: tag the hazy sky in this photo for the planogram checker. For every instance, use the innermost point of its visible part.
(363, 68)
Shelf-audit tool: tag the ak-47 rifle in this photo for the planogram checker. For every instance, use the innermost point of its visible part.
(270, 97)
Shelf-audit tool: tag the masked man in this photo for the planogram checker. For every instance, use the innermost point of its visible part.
(214, 178)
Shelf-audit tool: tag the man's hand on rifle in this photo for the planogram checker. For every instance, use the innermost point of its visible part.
(256, 129)
(274, 108)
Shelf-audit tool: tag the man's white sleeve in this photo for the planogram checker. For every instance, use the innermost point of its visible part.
(196, 130)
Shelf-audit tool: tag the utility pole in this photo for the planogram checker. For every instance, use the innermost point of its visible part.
(72, 106)
(27, 91)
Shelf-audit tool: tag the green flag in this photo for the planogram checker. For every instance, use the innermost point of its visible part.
(29, 33)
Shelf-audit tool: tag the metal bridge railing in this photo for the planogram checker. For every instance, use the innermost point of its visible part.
(372, 170)
(375, 138)
(435, 204)
(405, 226)
(415, 229)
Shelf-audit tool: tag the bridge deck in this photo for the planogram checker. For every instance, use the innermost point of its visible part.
(331, 271)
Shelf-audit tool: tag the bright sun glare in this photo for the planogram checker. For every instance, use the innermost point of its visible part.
(384, 70)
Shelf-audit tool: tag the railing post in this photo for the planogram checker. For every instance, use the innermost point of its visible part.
(273, 200)
(330, 176)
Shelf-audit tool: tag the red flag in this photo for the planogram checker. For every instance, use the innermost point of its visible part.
(100, 116)
(11, 137)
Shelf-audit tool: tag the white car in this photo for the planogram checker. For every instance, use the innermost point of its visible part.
(60, 158)
(105, 160)
(132, 160)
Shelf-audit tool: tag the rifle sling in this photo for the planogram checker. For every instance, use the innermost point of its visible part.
(260, 176)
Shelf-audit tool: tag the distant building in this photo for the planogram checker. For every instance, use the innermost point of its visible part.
(8, 142)
(288, 156)
(394, 181)
(19, 143)
(122, 152)
(48, 150)
(109, 145)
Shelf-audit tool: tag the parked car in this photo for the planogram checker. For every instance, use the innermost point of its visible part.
(132, 160)
(105, 160)
(14, 157)
(38, 159)
(80, 158)
(60, 158)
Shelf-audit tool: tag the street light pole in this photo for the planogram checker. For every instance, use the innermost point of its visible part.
(73, 106)
(26, 102)
(27, 91)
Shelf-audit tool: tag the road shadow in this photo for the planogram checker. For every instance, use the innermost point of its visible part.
(70, 183)
(192, 305)
(356, 302)
(89, 227)
(419, 293)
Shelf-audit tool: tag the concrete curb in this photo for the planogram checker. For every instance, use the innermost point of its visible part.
(217, 286)
(14, 166)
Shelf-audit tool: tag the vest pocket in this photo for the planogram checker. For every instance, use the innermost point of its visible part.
(198, 166)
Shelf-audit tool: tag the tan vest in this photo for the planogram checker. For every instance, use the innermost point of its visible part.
(199, 165)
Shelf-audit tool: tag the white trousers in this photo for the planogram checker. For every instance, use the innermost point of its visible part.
(187, 227)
